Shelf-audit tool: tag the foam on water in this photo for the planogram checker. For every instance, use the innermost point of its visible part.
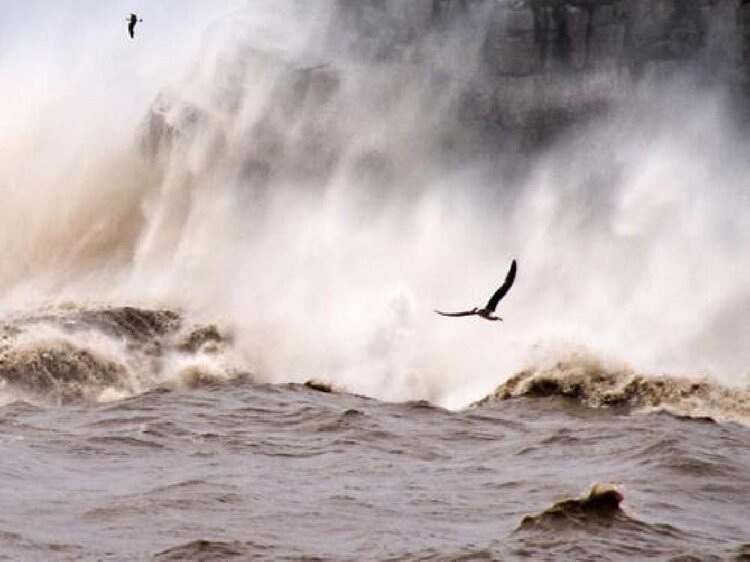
(69, 355)
(321, 200)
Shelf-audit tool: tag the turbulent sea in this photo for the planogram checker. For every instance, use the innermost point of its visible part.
(572, 462)
(222, 245)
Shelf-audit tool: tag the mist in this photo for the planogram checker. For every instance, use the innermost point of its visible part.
(271, 167)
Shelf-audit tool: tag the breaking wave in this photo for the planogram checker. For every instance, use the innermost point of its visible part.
(608, 528)
(321, 177)
(72, 354)
(600, 505)
(591, 381)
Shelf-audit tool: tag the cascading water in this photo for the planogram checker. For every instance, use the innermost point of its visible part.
(246, 196)
(321, 194)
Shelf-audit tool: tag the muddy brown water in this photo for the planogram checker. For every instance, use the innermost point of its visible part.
(257, 471)
(234, 469)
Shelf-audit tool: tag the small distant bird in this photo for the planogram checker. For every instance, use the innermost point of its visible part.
(488, 312)
(132, 20)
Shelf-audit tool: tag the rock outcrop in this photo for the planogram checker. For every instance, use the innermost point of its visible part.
(486, 75)
(544, 64)
(528, 37)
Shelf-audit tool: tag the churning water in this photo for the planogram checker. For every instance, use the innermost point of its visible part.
(222, 244)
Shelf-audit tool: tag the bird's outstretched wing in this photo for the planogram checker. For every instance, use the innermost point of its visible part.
(504, 288)
(464, 313)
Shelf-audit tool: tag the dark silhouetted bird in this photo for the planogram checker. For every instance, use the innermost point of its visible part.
(132, 20)
(488, 312)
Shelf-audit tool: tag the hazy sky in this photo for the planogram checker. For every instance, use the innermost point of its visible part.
(63, 50)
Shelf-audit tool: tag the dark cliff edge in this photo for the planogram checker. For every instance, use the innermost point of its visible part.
(489, 78)
(542, 65)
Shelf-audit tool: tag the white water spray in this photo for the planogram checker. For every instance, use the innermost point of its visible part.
(313, 200)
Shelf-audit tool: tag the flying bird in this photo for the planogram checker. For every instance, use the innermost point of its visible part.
(488, 312)
(132, 20)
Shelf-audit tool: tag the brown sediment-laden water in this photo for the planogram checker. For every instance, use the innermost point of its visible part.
(127, 435)
(222, 243)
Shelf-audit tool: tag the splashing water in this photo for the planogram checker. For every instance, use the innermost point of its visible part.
(321, 197)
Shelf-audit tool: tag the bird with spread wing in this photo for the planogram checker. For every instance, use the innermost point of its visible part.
(488, 312)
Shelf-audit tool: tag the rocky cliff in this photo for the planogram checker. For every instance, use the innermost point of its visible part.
(542, 64)
(484, 76)
(528, 37)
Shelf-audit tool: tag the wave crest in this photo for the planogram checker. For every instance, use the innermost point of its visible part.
(556, 531)
(593, 383)
(601, 504)
(71, 354)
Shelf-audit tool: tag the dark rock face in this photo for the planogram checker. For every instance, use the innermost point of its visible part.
(525, 37)
(502, 75)
(744, 26)
(546, 64)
